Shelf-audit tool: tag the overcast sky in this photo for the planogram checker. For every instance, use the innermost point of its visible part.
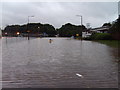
(59, 13)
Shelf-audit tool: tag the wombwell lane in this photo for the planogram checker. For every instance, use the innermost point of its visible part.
(64, 63)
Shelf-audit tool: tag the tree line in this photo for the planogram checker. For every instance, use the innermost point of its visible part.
(114, 30)
(66, 30)
(71, 30)
(31, 28)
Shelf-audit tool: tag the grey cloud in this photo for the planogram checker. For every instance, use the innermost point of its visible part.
(58, 13)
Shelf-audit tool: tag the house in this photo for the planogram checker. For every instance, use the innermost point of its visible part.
(103, 29)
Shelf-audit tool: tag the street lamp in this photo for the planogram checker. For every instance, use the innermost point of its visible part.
(80, 17)
(18, 33)
(29, 17)
(6, 33)
(81, 23)
(27, 26)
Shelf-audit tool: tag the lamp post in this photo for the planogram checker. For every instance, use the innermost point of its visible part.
(81, 20)
(18, 33)
(38, 31)
(27, 26)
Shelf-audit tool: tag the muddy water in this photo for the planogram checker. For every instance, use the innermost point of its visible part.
(63, 63)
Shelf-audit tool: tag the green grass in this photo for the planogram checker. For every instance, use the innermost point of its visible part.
(112, 43)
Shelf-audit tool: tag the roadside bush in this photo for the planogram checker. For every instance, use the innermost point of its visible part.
(101, 36)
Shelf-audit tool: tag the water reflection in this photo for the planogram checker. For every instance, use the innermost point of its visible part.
(38, 63)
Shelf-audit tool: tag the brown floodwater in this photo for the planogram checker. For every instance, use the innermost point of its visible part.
(61, 63)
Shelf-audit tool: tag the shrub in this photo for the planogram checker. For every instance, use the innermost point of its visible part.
(101, 36)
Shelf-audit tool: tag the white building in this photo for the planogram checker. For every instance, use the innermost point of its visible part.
(86, 34)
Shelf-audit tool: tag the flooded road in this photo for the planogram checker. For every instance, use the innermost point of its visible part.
(63, 63)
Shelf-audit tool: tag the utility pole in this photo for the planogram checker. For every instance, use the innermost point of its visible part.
(28, 26)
